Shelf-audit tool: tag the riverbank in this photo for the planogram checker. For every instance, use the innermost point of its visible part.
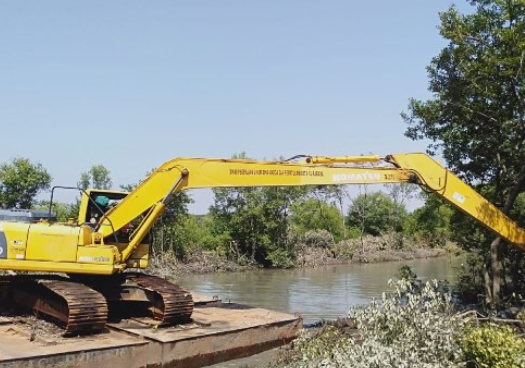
(355, 251)
(317, 293)
(427, 331)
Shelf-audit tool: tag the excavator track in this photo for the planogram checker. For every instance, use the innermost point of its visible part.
(129, 293)
(74, 306)
(174, 304)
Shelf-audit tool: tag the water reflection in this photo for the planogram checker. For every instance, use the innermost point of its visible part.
(325, 292)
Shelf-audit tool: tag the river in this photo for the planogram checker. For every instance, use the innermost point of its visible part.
(316, 293)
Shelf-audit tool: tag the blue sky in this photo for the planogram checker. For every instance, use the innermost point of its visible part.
(131, 84)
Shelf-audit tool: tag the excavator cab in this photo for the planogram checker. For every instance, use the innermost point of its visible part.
(95, 203)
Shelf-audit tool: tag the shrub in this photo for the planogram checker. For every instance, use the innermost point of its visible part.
(327, 342)
(316, 214)
(344, 249)
(353, 233)
(406, 272)
(493, 346)
(280, 258)
(318, 239)
(405, 328)
(375, 213)
(470, 281)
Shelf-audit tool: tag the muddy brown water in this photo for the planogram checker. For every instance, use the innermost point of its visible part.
(316, 293)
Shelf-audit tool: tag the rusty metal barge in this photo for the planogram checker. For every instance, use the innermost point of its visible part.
(218, 332)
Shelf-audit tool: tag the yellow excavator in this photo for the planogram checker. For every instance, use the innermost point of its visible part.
(111, 233)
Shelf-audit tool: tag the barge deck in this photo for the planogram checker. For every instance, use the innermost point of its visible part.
(218, 332)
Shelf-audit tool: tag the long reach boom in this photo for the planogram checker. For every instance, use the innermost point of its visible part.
(180, 174)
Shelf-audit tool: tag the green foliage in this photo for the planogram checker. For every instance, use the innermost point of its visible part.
(316, 214)
(518, 212)
(170, 231)
(344, 249)
(281, 258)
(493, 346)
(477, 84)
(375, 213)
(322, 346)
(318, 239)
(64, 211)
(20, 182)
(176, 231)
(431, 222)
(470, 279)
(256, 219)
(474, 118)
(220, 242)
(96, 178)
(407, 273)
(196, 227)
(405, 328)
(353, 232)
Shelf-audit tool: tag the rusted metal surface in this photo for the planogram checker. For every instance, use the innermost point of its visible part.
(218, 332)
(111, 349)
(80, 304)
(74, 306)
(170, 303)
(129, 294)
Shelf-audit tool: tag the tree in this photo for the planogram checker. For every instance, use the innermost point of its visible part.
(20, 182)
(476, 116)
(431, 222)
(316, 214)
(256, 220)
(96, 178)
(334, 195)
(169, 232)
(63, 211)
(400, 194)
(372, 213)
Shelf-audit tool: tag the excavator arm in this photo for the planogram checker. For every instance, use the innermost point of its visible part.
(431, 176)
(152, 195)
